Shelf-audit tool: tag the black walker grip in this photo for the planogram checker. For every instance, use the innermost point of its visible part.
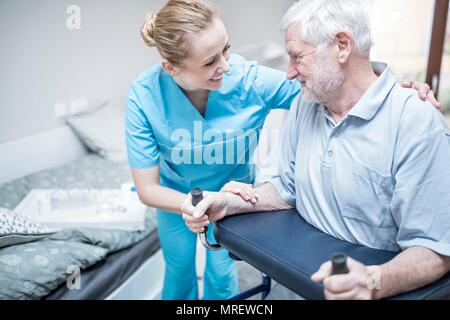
(197, 197)
(339, 262)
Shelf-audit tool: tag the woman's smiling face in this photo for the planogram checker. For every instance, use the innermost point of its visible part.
(207, 61)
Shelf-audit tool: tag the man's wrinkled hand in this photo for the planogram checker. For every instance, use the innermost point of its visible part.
(358, 284)
(212, 208)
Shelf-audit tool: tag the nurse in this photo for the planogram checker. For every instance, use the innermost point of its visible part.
(193, 121)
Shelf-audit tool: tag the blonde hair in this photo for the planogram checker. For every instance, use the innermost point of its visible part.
(170, 28)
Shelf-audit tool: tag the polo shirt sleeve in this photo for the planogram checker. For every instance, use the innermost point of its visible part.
(421, 201)
(284, 182)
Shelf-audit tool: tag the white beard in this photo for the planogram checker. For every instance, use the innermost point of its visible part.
(326, 79)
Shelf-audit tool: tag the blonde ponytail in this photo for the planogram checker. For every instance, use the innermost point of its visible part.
(148, 30)
(169, 30)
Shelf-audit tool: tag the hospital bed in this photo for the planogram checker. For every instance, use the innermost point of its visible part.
(284, 247)
(133, 273)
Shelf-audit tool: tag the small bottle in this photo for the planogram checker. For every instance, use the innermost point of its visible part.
(133, 198)
(126, 195)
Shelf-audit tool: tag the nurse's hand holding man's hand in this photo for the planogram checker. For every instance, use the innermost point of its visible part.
(244, 190)
(215, 205)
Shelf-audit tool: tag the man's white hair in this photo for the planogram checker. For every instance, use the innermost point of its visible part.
(319, 21)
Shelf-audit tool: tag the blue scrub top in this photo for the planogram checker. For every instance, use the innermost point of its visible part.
(164, 128)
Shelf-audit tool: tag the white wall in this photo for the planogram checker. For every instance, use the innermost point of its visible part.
(44, 64)
(399, 42)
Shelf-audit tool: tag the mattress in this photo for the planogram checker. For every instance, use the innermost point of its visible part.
(100, 280)
(90, 171)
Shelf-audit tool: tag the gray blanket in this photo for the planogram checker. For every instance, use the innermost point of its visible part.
(33, 270)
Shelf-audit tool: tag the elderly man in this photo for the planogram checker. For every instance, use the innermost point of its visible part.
(362, 159)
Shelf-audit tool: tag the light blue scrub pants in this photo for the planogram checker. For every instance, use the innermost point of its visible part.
(179, 249)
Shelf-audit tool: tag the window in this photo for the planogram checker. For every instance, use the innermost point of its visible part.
(444, 87)
(402, 32)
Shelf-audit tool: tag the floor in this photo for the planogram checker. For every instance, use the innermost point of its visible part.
(249, 278)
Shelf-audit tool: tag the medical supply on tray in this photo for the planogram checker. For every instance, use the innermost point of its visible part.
(118, 209)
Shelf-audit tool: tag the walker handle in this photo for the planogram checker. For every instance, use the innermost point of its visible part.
(197, 196)
(339, 262)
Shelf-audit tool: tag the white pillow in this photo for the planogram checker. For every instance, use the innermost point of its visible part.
(16, 229)
(103, 131)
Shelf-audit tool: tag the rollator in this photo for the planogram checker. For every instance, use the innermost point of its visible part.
(289, 250)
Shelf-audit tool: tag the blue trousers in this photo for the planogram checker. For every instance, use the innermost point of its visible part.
(179, 250)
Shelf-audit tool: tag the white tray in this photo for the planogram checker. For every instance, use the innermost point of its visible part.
(112, 209)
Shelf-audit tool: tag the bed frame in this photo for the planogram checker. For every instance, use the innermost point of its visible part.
(57, 147)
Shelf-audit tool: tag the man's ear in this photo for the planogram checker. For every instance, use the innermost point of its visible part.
(345, 46)
(170, 68)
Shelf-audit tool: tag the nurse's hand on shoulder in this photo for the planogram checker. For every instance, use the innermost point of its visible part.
(212, 208)
(244, 190)
(425, 92)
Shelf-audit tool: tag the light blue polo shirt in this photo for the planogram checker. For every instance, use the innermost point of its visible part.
(380, 178)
